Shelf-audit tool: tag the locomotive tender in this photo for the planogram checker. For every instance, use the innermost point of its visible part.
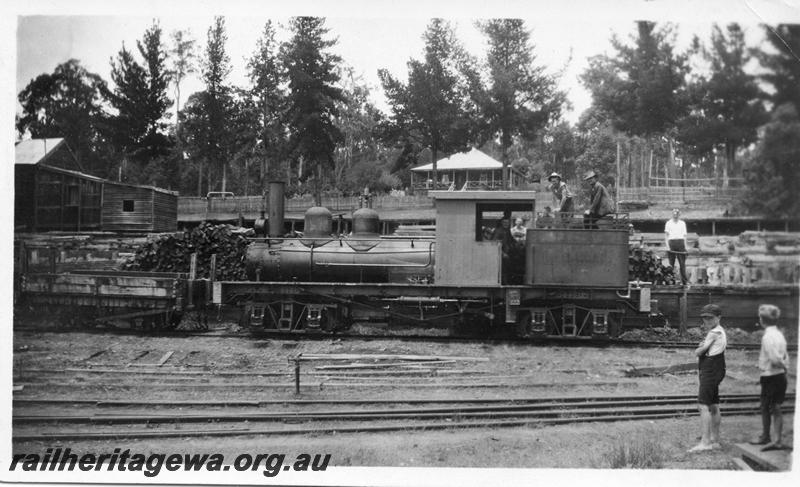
(562, 281)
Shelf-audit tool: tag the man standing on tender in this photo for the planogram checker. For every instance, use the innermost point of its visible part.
(675, 233)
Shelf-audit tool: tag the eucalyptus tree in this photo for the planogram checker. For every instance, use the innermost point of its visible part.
(183, 59)
(66, 103)
(438, 107)
(268, 76)
(727, 106)
(522, 99)
(311, 110)
(782, 64)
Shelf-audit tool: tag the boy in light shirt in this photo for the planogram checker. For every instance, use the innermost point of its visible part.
(773, 361)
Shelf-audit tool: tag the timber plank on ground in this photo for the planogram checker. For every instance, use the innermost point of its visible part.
(773, 461)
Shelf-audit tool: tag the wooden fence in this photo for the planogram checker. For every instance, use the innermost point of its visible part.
(251, 206)
(669, 194)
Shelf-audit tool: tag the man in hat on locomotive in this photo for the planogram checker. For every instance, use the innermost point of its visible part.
(711, 369)
(600, 201)
(562, 198)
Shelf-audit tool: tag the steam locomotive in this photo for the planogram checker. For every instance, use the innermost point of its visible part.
(562, 280)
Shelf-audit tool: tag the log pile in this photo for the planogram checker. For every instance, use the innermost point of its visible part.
(172, 253)
(645, 265)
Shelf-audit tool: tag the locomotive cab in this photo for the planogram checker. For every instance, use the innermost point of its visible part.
(474, 242)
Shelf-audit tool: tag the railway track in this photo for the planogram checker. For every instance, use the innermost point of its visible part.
(540, 341)
(193, 419)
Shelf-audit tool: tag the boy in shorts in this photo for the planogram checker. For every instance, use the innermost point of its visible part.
(711, 369)
(773, 360)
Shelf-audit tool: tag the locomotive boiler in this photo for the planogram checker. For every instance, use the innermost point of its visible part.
(361, 257)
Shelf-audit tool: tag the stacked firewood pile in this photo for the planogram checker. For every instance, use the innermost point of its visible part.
(173, 253)
(645, 265)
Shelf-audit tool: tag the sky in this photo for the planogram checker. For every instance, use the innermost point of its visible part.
(371, 35)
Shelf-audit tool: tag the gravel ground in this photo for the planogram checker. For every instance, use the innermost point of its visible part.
(41, 361)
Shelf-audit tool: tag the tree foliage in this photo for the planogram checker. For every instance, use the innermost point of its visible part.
(216, 66)
(182, 63)
(66, 103)
(313, 93)
(783, 64)
(138, 128)
(359, 159)
(773, 175)
(726, 106)
(641, 87)
(268, 77)
(522, 99)
(437, 107)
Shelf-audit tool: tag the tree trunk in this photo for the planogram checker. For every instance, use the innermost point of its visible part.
(434, 156)
(618, 177)
(224, 176)
(630, 175)
(318, 185)
(178, 110)
(505, 167)
(200, 178)
(641, 167)
(730, 159)
(208, 176)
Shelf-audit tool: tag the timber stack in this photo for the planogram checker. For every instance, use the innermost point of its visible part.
(173, 252)
(645, 265)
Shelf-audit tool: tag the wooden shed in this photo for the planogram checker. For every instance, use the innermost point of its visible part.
(134, 208)
(51, 192)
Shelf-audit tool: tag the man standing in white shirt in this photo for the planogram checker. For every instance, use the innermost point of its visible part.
(773, 362)
(675, 232)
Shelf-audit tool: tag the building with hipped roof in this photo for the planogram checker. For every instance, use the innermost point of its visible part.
(473, 170)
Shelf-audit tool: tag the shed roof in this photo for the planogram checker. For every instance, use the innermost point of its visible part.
(34, 151)
(141, 186)
(78, 174)
(474, 159)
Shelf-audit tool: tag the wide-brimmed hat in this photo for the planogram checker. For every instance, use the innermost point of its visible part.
(711, 310)
(554, 175)
(589, 175)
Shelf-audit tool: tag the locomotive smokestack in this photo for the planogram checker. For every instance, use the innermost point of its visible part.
(276, 207)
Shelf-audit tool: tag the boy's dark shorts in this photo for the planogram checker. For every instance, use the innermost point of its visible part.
(773, 389)
(709, 392)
